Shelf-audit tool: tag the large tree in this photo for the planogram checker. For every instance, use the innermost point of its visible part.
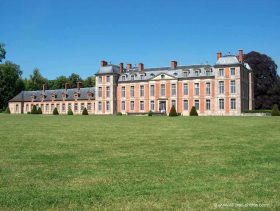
(89, 81)
(58, 83)
(266, 80)
(35, 81)
(2, 52)
(73, 79)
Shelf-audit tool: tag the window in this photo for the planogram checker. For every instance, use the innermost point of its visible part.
(47, 107)
(196, 104)
(123, 78)
(132, 91)
(232, 71)
(123, 105)
(82, 106)
(99, 106)
(42, 107)
(52, 107)
(233, 104)
(76, 107)
(162, 76)
(186, 105)
(221, 87)
(108, 79)
(141, 90)
(99, 91)
(186, 89)
(162, 89)
(26, 108)
(152, 90)
(173, 103)
(208, 88)
(100, 79)
(58, 107)
(142, 105)
(196, 73)
(221, 72)
(142, 77)
(131, 105)
(186, 74)
(152, 105)
(196, 89)
(232, 87)
(107, 91)
(107, 105)
(132, 77)
(208, 73)
(208, 104)
(173, 89)
(221, 104)
(123, 91)
(63, 107)
(89, 106)
(16, 107)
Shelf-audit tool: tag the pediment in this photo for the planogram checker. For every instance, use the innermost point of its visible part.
(163, 76)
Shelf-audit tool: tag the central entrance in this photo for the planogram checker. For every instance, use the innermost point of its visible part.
(162, 106)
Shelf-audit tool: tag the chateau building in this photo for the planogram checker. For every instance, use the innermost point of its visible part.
(223, 89)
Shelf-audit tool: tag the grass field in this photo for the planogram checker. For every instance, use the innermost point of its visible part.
(127, 162)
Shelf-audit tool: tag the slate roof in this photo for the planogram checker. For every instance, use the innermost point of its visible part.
(25, 96)
(109, 69)
(228, 60)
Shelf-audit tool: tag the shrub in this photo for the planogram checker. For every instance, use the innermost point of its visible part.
(55, 111)
(39, 111)
(7, 111)
(193, 112)
(85, 112)
(28, 112)
(69, 112)
(150, 113)
(275, 111)
(172, 111)
(34, 110)
(119, 114)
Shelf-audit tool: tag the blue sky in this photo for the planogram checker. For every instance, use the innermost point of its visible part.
(64, 36)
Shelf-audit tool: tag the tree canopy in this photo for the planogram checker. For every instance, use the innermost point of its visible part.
(2, 52)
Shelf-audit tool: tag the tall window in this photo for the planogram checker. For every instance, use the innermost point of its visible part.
(152, 105)
(123, 91)
(186, 105)
(99, 106)
(186, 89)
(221, 87)
(63, 107)
(152, 90)
(208, 88)
(173, 103)
(82, 106)
(76, 107)
(26, 108)
(16, 107)
(99, 91)
(208, 104)
(208, 73)
(47, 107)
(132, 77)
(196, 89)
(69, 106)
(107, 105)
(123, 78)
(42, 107)
(232, 87)
(196, 73)
(107, 91)
(173, 89)
(108, 79)
(132, 91)
(89, 106)
(123, 105)
(196, 104)
(162, 89)
(52, 107)
(232, 71)
(142, 105)
(100, 79)
(233, 104)
(221, 72)
(132, 105)
(221, 104)
(141, 90)
(58, 106)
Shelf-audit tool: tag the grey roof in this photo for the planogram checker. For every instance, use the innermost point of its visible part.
(227, 60)
(24, 96)
(108, 69)
(180, 72)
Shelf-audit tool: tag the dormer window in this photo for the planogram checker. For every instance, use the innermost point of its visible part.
(53, 96)
(64, 95)
(33, 96)
(208, 72)
(175, 74)
(186, 74)
(196, 73)
(152, 74)
(162, 76)
(132, 77)
(89, 95)
(123, 78)
(142, 77)
(76, 95)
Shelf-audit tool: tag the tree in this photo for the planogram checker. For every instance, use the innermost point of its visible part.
(39, 111)
(2, 52)
(58, 83)
(193, 112)
(85, 112)
(275, 111)
(35, 81)
(266, 80)
(55, 111)
(69, 112)
(11, 82)
(73, 79)
(172, 111)
(34, 110)
(89, 81)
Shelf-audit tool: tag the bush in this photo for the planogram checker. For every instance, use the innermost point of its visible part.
(28, 112)
(275, 111)
(7, 111)
(193, 112)
(39, 111)
(150, 113)
(119, 114)
(85, 112)
(172, 111)
(55, 111)
(34, 110)
(69, 112)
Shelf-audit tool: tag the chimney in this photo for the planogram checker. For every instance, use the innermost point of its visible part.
(103, 63)
(141, 67)
(79, 85)
(219, 55)
(240, 56)
(173, 64)
(44, 88)
(66, 86)
(121, 67)
(128, 67)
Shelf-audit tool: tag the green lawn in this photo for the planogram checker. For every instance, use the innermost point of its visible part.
(127, 162)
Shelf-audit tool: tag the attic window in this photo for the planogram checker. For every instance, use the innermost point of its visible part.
(53, 96)
(142, 77)
(123, 78)
(132, 77)
(152, 74)
(186, 74)
(162, 76)
(175, 74)
(196, 73)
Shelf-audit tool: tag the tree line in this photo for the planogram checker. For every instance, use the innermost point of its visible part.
(266, 80)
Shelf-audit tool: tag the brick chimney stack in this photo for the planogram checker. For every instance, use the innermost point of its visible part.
(103, 63)
(219, 55)
(79, 84)
(44, 88)
(121, 67)
(240, 56)
(173, 65)
(141, 67)
(128, 67)
(66, 86)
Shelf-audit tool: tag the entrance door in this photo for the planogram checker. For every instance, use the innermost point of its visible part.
(162, 106)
